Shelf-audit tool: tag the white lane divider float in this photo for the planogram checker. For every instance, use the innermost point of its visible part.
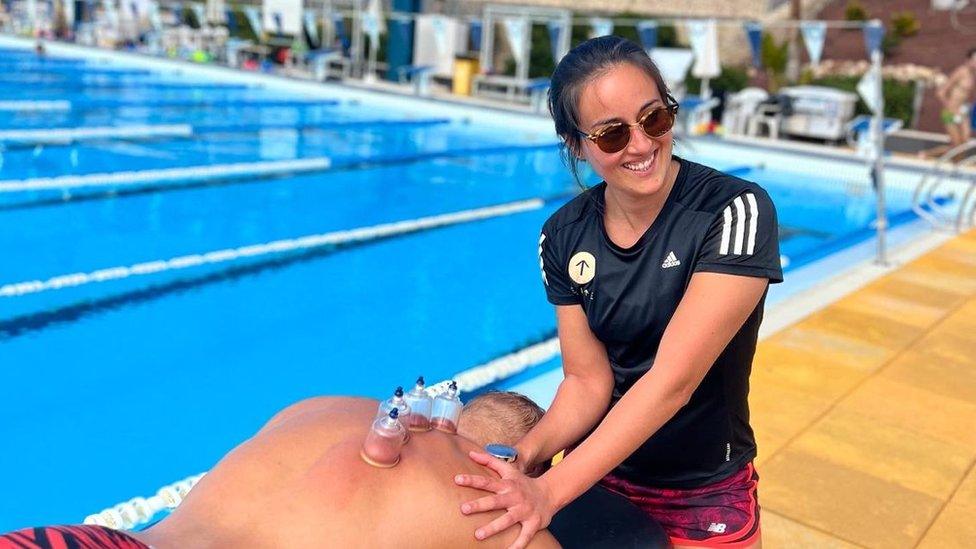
(68, 135)
(276, 247)
(35, 105)
(142, 177)
(503, 367)
(139, 510)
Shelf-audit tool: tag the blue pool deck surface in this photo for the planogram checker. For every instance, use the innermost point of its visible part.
(393, 258)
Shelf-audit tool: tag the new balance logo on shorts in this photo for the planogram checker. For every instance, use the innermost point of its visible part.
(670, 261)
(717, 527)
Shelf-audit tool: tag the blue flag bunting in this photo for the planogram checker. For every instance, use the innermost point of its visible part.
(474, 35)
(873, 35)
(647, 31)
(231, 21)
(754, 34)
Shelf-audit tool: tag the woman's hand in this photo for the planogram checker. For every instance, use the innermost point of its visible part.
(526, 462)
(527, 501)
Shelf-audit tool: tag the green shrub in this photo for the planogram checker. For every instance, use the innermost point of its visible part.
(898, 96)
(540, 55)
(732, 79)
(243, 30)
(855, 11)
(904, 24)
(774, 59)
(541, 64)
(667, 34)
(890, 42)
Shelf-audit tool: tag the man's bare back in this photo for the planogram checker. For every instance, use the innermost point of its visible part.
(300, 482)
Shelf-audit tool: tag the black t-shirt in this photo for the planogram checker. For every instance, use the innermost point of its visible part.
(710, 222)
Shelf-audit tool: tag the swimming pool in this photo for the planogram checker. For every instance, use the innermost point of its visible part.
(165, 292)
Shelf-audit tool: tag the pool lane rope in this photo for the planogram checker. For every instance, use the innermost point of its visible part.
(501, 368)
(35, 105)
(225, 255)
(68, 135)
(59, 136)
(138, 511)
(189, 174)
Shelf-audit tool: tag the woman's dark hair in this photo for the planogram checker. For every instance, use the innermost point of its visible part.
(582, 64)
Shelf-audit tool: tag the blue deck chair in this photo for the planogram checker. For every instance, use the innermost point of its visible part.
(859, 130)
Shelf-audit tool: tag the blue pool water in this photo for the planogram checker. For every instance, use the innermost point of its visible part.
(112, 389)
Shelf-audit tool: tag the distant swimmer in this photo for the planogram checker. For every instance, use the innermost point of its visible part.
(955, 96)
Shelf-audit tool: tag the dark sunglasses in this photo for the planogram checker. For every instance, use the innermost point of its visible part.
(654, 123)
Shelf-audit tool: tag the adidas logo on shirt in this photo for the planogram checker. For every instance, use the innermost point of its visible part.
(670, 261)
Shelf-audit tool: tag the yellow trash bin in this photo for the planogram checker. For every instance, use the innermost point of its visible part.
(465, 67)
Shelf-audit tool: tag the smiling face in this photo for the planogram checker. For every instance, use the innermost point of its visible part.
(622, 94)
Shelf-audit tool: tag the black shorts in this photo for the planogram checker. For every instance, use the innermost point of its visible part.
(601, 518)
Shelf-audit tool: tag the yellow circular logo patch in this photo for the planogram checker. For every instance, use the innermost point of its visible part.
(582, 267)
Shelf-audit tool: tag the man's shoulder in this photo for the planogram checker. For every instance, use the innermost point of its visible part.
(320, 404)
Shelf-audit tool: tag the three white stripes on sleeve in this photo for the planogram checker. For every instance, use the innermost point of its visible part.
(740, 226)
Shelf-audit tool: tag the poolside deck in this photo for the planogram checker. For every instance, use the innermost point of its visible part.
(865, 413)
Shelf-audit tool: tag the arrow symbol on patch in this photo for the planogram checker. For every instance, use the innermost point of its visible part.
(582, 265)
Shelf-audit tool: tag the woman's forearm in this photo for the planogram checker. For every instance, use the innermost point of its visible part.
(631, 422)
(578, 406)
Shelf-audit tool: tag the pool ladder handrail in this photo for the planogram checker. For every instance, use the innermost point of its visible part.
(924, 202)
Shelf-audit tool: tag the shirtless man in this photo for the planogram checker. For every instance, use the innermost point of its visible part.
(954, 95)
(300, 482)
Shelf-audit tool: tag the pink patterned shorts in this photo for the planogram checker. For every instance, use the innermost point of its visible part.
(724, 514)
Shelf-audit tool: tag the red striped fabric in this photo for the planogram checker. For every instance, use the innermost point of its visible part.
(69, 537)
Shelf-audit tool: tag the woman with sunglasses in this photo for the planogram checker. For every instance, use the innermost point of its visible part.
(658, 275)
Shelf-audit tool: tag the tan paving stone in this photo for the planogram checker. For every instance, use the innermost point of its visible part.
(835, 347)
(954, 258)
(962, 323)
(819, 374)
(927, 284)
(920, 411)
(850, 504)
(778, 413)
(875, 329)
(960, 246)
(955, 526)
(874, 466)
(879, 302)
(948, 344)
(915, 461)
(941, 375)
(781, 532)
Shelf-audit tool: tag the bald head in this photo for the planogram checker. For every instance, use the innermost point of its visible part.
(498, 416)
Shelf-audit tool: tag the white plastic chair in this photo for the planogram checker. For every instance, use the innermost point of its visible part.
(740, 108)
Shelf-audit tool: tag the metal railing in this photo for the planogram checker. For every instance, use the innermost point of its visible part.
(945, 195)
